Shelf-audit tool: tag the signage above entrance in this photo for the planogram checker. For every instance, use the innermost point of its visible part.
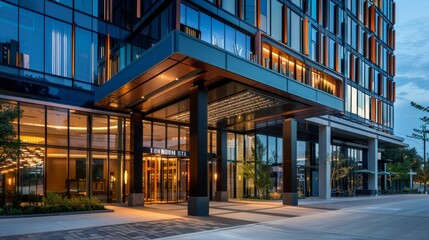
(166, 152)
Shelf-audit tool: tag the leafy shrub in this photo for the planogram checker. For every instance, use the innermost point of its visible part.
(275, 195)
(53, 200)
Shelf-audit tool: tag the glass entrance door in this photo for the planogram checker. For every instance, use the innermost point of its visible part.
(166, 179)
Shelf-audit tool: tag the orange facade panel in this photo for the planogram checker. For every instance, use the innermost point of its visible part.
(394, 91)
(326, 50)
(240, 9)
(305, 36)
(373, 49)
(258, 13)
(372, 18)
(394, 65)
(380, 26)
(373, 109)
(379, 112)
(365, 13)
(337, 59)
(285, 24)
(320, 11)
(394, 39)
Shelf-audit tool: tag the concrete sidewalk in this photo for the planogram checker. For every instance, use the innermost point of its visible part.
(168, 220)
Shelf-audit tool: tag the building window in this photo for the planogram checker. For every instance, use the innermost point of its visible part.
(31, 40)
(295, 30)
(265, 16)
(276, 20)
(249, 11)
(83, 55)
(8, 34)
(229, 6)
(58, 48)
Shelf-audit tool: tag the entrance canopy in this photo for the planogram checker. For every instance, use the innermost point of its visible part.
(239, 91)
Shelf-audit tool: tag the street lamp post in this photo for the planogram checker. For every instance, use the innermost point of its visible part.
(411, 173)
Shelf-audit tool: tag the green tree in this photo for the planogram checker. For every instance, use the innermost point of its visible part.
(423, 175)
(258, 171)
(403, 159)
(9, 144)
(340, 168)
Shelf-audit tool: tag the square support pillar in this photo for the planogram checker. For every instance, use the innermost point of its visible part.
(324, 162)
(290, 195)
(373, 164)
(136, 197)
(221, 194)
(198, 202)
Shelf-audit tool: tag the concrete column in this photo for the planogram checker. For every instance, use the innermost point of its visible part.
(373, 164)
(290, 195)
(136, 197)
(198, 201)
(221, 194)
(324, 162)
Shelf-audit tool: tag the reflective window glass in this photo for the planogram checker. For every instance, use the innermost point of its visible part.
(78, 172)
(57, 124)
(65, 2)
(249, 11)
(31, 40)
(205, 27)
(99, 131)
(229, 38)
(276, 23)
(229, 6)
(116, 133)
(83, 57)
(84, 5)
(78, 129)
(218, 33)
(147, 134)
(8, 33)
(295, 31)
(158, 135)
(57, 180)
(32, 124)
(99, 175)
(184, 137)
(58, 48)
(172, 137)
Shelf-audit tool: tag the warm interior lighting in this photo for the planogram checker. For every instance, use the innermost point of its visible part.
(215, 176)
(125, 177)
(236, 105)
(9, 181)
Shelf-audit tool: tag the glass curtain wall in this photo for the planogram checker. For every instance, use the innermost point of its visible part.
(66, 151)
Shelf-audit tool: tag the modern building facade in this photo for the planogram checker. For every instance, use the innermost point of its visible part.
(165, 101)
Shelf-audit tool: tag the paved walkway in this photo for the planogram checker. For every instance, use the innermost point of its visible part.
(171, 220)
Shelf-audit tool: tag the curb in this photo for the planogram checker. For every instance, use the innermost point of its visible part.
(55, 214)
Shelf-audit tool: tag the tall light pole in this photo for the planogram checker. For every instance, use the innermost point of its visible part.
(421, 134)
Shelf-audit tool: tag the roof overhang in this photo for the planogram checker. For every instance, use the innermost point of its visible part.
(163, 75)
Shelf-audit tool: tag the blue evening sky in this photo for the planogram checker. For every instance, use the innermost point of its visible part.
(412, 66)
